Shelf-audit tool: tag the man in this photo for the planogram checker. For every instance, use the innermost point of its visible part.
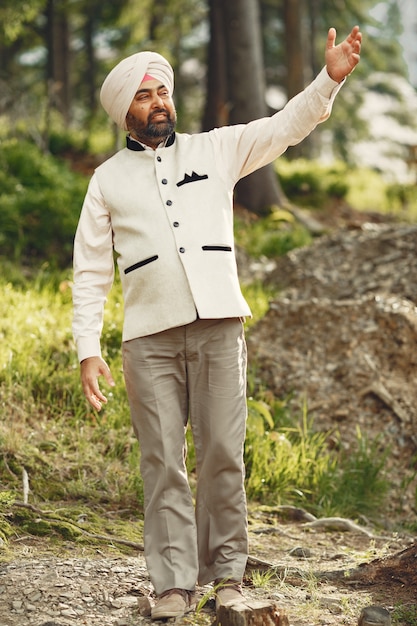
(164, 205)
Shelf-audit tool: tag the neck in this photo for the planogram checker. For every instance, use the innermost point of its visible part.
(151, 142)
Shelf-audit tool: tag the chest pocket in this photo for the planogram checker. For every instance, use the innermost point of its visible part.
(219, 248)
(139, 264)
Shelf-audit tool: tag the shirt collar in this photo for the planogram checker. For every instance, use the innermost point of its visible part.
(137, 146)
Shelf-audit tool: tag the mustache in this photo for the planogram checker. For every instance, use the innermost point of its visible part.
(158, 112)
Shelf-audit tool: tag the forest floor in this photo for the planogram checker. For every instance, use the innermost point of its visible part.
(305, 571)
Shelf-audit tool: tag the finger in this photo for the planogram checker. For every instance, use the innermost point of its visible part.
(355, 31)
(96, 399)
(93, 394)
(95, 402)
(331, 38)
(355, 37)
(108, 376)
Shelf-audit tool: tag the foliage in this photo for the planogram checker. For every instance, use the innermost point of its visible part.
(15, 14)
(404, 615)
(368, 191)
(311, 183)
(259, 297)
(68, 451)
(295, 464)
(74, 455)
(39, 38)
(41, 201)
(271, 236)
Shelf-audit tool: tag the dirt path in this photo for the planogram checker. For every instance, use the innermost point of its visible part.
(103, 588)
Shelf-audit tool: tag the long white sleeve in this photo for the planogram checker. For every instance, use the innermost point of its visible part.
(93, 271)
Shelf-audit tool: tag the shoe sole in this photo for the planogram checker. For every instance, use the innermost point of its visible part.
(168, 614)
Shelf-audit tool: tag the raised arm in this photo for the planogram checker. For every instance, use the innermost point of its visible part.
(342, 59)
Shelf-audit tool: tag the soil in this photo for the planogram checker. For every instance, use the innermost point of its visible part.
(315, 576)
(345, 329)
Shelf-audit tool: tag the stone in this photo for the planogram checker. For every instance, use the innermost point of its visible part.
(374, 616)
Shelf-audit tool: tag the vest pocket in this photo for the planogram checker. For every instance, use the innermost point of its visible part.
(221, 248)
(139, 264)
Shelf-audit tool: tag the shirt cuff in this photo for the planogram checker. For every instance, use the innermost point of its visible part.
(326, 86)
(87, 347)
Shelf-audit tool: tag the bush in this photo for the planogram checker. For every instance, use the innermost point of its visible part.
(40, 201)
(311, 183)
(271, 236)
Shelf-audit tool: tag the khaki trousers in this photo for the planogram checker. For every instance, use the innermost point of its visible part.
(195, 372)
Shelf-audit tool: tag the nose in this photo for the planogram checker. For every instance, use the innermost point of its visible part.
(157, 101)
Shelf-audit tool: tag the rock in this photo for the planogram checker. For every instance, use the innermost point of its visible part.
(300, 553)
(144, 605)
(59, 592)
(374, 616)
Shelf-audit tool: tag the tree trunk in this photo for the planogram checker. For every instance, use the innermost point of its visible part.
(90, 71)
(293, 47)
(236, 89)
(216, 112)
(58, 74)
(294, 60)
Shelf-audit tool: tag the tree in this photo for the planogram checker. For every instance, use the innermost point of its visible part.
(236, 89)
(294, 54)
(54, 54)
(58, 63)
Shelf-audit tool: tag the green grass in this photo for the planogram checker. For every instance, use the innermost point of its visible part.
(67, 449)
(404, 615)
(288, 462)
(75, 457)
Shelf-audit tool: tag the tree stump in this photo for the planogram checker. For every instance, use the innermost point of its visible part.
(374, 616)
(248, 613)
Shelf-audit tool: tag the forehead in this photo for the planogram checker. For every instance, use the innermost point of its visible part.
(150, 85)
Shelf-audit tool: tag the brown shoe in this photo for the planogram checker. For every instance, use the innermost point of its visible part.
(228, 593)
(172, 603)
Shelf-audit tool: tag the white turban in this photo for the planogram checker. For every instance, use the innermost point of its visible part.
(120, 86)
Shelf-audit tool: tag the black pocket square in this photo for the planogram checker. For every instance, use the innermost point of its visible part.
(191, 179)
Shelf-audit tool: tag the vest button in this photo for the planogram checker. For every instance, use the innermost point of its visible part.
(169, 202)
(182, 249)
(164, 181)
(158, 158)
(176, 224)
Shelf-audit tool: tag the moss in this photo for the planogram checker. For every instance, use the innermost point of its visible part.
(31, 523)
(6, 530)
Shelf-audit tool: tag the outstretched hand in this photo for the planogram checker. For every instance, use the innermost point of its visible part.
(342, 59)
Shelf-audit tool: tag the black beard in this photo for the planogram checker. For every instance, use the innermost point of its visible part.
(158, 130)
(161, 129)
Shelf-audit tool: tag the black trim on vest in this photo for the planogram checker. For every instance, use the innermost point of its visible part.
(134, 145)
(136, 266)
(218, 248)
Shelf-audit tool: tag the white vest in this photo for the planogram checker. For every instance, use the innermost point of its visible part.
(172, 221)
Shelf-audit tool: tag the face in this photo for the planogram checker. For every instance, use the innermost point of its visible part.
(151, 117)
